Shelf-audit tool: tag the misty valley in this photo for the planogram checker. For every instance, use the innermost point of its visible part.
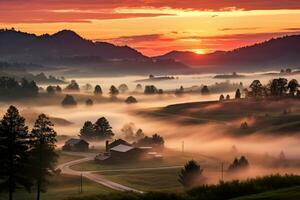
(149, 100)
(141, 135)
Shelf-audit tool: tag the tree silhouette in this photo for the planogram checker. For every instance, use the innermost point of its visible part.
(278, 87)
(14, 152)
(73, 86)
(69, 101)
(113, 91)
(89, 102)
(43, 154)
(102, 129)
(160, 91)
(150, 89)
(138, 87)
(238, 94)
(58, 89)
(123, 88)
(87, 131)
(256, 88)
(98, 90)
(293, 86)
(221, 97)
(131, 100)
(227, 97)
(204, 90)
(50, 90)
(179, 91)
(190, 174)
(238, 164)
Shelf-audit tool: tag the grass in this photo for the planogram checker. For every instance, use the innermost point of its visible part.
(267, 116)
(171, 158)
(292, 193)
(63, 158)
(148, 180)
(62, 187)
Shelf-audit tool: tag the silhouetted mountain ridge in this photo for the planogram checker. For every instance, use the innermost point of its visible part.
(272, 54)
(69, 50)
(16, 45)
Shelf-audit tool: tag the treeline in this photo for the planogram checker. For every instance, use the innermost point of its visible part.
(275, 88)
(27, 158)
(10, 88)
(223, 190)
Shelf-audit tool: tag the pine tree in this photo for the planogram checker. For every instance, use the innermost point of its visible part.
(238, 94)
(98, 90)
(43, 155)
(102, 129)
(87, 131)
(190, 174)
(14, 152)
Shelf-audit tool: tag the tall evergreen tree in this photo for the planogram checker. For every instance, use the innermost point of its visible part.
(190, 174)
(98, 90)
(43, 155)
(238, 94)
(87, 131)
(113, 91)
(102, 129)
(14, 152)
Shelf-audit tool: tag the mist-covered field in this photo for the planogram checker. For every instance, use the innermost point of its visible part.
(209, 130)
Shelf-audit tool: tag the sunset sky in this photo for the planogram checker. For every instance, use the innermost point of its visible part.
(157, 26)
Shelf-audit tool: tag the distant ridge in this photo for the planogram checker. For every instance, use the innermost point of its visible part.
(68, 49)
(275, 53)
(17, 44)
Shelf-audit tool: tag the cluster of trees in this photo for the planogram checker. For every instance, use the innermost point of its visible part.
(237, 95)
(131, 133)
(155, 141)
(10, 88)
(100, 130)
(275, 88)
(191, 174)
(27, 158)
(53, 89)
(151, 89)
(238, 164)
(73, 86)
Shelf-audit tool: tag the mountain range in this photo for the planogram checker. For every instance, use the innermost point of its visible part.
(273, 54)
(69, 50)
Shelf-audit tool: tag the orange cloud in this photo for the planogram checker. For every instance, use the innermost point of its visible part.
(155, 44)
(33, 11)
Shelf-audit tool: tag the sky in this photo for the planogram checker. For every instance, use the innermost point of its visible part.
(155, 27)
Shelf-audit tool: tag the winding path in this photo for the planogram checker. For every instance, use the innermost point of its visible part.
(65, 169)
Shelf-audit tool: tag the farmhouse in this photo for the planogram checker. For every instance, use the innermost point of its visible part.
(76, 145)
(122, 151)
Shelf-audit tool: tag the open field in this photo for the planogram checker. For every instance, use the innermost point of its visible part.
(268, 116)
(171, 158)
(147, 180)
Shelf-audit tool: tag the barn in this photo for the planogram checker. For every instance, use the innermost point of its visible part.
(76, 145)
